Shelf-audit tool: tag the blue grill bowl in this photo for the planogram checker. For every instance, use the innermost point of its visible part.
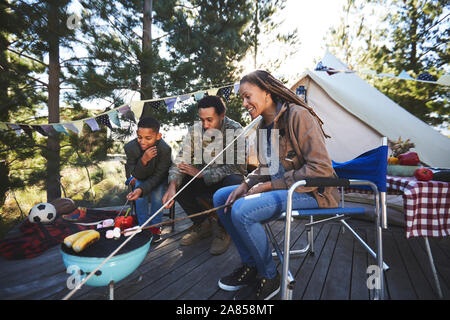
(116, 269)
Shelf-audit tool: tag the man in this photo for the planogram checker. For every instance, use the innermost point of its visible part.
(214, 123)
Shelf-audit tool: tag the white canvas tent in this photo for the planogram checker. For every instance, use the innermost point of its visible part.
(356, 116)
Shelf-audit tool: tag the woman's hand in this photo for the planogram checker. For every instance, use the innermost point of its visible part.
(260, 188)
(134, 195)
(236, 194)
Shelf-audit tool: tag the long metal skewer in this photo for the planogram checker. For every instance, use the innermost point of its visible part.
(246, 130)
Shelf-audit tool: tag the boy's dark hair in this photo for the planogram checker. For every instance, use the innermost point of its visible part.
(212, 101)
(150, 123)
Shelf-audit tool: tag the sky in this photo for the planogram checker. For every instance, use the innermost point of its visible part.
(313, 20)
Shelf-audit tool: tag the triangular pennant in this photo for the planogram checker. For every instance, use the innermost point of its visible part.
(27, 130)
(16, 128)
(154, 104)
(212, 92)
(49, 129)
(114, 117)
(426, 77)
(60, 128)
(444, 80)
(39, 129)
(104, 119)
(405, 75)
(184, 97)
(79, 125)
(137, 107)
(226, 92)
(236, 88)
(198, 95)
(124, 109)
(70, 126)
(92, 124)
(170, 103)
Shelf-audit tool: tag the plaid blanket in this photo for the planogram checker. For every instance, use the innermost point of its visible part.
(36, 238)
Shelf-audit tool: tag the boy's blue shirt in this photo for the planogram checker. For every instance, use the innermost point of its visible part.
(156, 170)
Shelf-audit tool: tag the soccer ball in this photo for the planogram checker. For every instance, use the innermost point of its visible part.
(42, 212)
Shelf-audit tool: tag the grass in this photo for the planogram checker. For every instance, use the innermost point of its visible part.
(108, 189)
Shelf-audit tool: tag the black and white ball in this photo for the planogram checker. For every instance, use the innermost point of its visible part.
(42, 212)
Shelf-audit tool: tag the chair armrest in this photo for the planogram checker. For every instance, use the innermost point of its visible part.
(327, 182)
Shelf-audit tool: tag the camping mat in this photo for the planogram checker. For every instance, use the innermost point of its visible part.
(104, 247)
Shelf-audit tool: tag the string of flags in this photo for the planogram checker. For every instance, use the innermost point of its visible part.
(112, 116)
(423, 77)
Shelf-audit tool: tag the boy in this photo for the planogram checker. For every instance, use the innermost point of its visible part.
(149, 158)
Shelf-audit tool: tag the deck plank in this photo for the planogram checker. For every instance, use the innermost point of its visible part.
(337, 269)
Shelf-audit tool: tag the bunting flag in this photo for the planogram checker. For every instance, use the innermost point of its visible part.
(79, 125)
(137, 107)
(236, 88)
(16, 128)
(60, 128)
(40, 130)
(444, 80)
(124, 109)
(226, 92)
(92, 124)
(154, 104)
(26, 128)
(170, 103)
(185, 97)
(198, 95)
(422, 77)
(114, 118)
(70, 126)
(405, 75)
(104, 119)
(48, 128)
(212, 92)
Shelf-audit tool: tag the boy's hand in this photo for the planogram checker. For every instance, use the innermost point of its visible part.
(148, 155)
(134, 195)
(189, 169)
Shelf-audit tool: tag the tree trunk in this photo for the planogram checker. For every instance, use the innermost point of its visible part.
(53, 156)
(146, 73)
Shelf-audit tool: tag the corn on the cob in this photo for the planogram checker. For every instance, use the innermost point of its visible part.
(86, 240)
(70, 240)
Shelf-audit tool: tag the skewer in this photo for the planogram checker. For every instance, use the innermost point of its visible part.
(180, 219)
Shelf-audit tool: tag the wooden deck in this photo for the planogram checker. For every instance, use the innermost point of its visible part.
(337, 270)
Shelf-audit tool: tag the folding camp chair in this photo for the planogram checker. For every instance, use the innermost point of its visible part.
(367, 171)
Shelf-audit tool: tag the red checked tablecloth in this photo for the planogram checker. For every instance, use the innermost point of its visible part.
(426, 204)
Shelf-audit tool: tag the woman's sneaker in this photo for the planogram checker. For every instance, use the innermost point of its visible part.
(239, 278)
(262, 289)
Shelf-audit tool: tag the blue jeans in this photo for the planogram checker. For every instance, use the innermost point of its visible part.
(156, 199)
(244, 223)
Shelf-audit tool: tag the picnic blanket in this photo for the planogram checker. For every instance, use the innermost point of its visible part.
(36, 238)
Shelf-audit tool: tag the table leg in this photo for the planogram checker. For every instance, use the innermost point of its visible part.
(433, 268)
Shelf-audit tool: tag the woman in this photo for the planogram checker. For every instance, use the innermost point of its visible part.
(263, 195)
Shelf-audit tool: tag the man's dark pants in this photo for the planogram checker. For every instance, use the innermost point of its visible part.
(190, 199)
